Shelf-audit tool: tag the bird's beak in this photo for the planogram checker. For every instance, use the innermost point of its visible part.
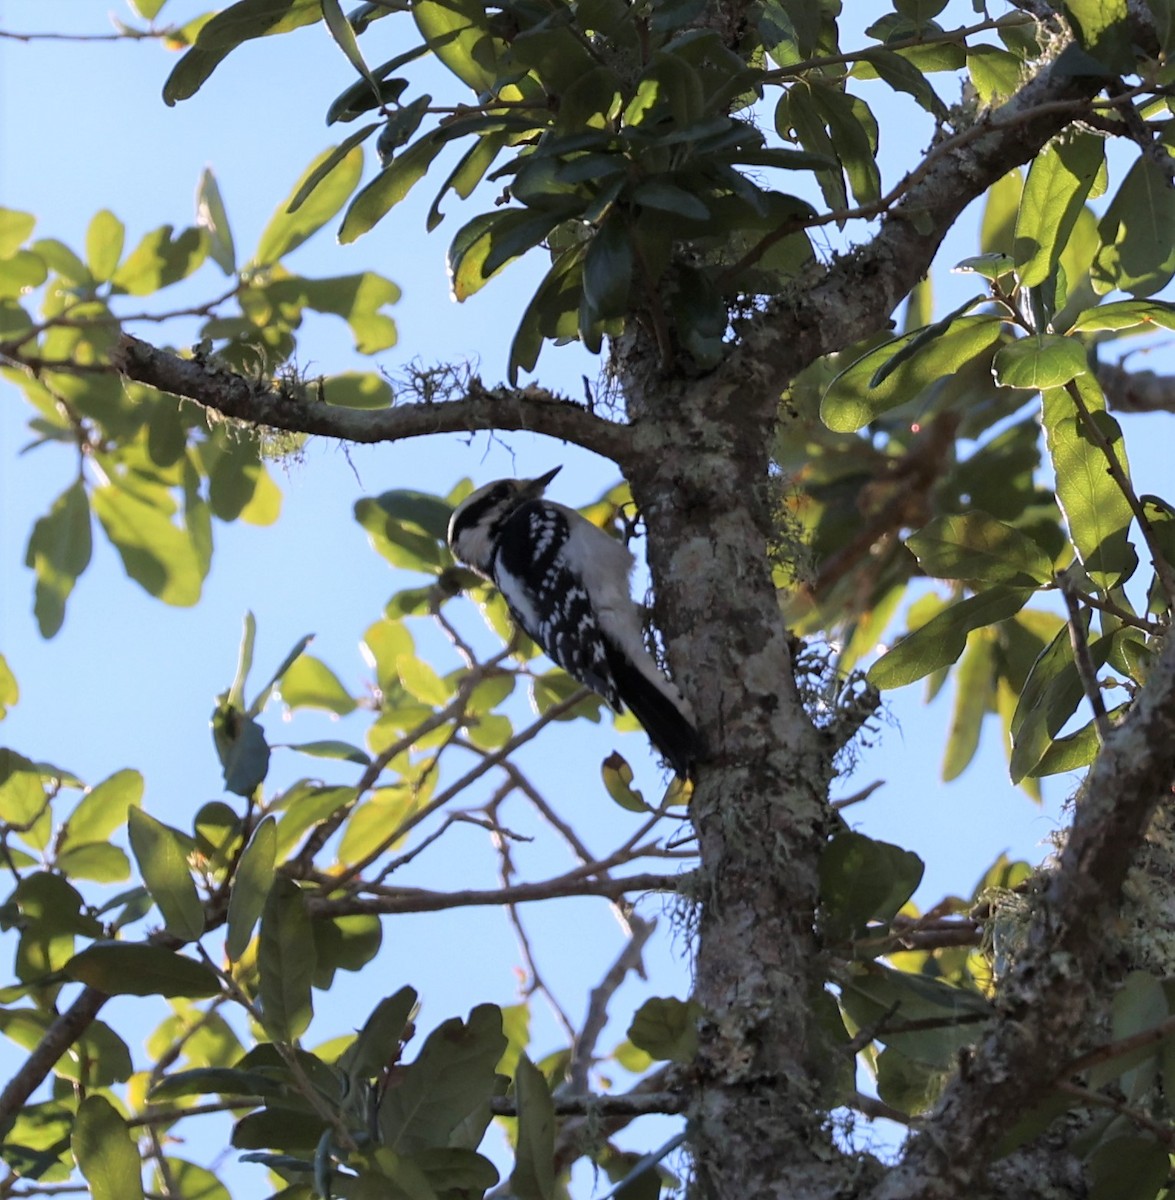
(536, 487)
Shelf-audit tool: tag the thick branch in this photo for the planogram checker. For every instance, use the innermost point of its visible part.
(1136, 391)
(57, 1039)
(299, 408)
(1051, 992)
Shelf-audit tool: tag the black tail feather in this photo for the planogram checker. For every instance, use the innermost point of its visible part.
(669, 729)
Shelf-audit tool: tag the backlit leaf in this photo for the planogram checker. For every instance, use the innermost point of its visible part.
(289, 227)
(106, 1153)
(130, 969)
(286, 961)
(163, 862)
(251, 883)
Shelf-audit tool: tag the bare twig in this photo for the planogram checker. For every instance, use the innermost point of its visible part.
(1083, 661)
(418, 900)
(629, 959)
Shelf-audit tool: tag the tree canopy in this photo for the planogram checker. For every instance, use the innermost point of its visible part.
(843, 486)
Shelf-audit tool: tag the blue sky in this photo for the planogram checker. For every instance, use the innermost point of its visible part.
(130, 682)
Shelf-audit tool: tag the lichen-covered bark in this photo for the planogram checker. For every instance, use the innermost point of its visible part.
(761, 804)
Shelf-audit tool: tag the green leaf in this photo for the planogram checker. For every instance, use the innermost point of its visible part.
(106, 1153)
(457, 32)
(1128, 1168)
(976, 546)
(242, 749)
(59, 551)
(390, 186)
(238, 23)
(533, 1177)
(942, 639)
(1126, 314)
(1138, 1006)
(15, 228)
(22, 791)
(922, 337)
(849, 403)
(251, 883)
(380, 1039)
(853, 132)
(1102, 28)
(310, 683)
(490, 242)
(399, 542)
(422, 682)
(224, 1081)
(286, 962)
(1097, 513)
(160, 260)
(330, 748)
(1043, 361)
(901, 76)
(22, 272)
(163, 861)
(236, 693)
(344, 36)
(158, 555)
(1049, 697)
(358, 389)
(212, 218)
(9, 689)
(618, 783)
(326, 191)
(128, 969)
(1055, 191)
(1138, 234)
(862, 880)
(443, 1097)
(974, 695)
(667, 1028)
(607, 271)
(99, 861)
(873, 992)
(104, 242)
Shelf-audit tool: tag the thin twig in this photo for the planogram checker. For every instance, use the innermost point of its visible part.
(629, 959)
(1083, 661)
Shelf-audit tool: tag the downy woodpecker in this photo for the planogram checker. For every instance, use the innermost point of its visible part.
(566, 583)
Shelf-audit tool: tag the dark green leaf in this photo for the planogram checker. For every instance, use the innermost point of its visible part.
(1128, 1168)
(99, 861)
(378, 1045)
(22, 791)
(242, 749)
(607, 270)
(533, 1177)
(251, 884)
(667, 1028)
(238, 23)
(163, 862)
(286, 961)
(448, 1088)
(862, 880)
(330, 748)
(128, 969)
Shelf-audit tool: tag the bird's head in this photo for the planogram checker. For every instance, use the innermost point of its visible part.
(474, 525)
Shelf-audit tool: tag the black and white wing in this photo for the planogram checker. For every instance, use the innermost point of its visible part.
(547, 599)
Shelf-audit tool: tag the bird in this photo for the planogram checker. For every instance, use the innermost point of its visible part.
(566, 583)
